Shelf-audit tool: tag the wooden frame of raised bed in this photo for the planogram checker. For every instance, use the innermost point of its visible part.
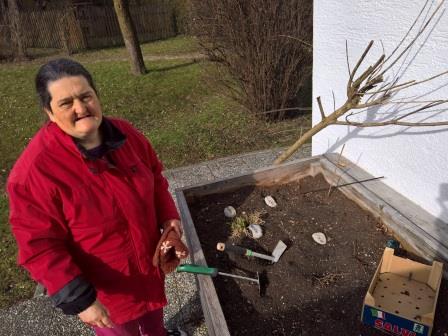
(416, 229)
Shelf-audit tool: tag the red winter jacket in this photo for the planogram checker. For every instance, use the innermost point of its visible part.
(97, 219)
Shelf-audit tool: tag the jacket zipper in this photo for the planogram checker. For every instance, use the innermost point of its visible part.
(126, 179)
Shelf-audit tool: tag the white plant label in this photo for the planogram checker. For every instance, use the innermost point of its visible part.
(270, 201)
(319, 238)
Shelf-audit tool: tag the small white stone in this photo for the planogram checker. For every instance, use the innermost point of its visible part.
(255, 231)
(270, 201)
(319, 238)
(229, 211)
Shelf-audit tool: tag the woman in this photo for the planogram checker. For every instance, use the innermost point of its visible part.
(87, 205)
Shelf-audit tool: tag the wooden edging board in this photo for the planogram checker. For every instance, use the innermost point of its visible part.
(408, 221)
(214, 317)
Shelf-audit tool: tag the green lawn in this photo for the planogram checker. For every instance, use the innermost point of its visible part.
(187, 118)
(175, 46)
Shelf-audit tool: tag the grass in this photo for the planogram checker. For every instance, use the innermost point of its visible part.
(239, 224)
(238, 227)
(169, 48)
(187, 118)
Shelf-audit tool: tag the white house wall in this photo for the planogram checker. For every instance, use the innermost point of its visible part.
(414, 160)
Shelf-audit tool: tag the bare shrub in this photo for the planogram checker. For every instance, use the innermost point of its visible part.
(265, 45)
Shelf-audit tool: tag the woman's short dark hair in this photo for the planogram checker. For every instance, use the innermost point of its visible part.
(57, 69)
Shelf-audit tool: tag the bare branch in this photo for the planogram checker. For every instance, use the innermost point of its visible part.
(346, 56)
(393, 122)
(414, 39)
(380, 101)
(419, 82)
(337, 165)
(424, 107)
(352, 74)
(391, 87)
(287, 109)
(334, 101)
(369, 71)
(397, 120)
(408, 32)
(378, 80)
(297, 39)
(412, 101)
(374, 73)
(366, 74)
(321, 109)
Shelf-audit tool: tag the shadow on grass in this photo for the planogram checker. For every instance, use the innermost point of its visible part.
(172, 67)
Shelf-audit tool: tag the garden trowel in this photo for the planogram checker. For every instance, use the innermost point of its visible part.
(276, 254)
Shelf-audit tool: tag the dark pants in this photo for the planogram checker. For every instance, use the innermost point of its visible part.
(150, 324)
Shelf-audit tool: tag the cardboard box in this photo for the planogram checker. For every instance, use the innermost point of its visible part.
(402, 296)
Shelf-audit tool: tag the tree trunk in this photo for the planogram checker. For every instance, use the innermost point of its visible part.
(17, 37)
(130, 36)
(64, 32)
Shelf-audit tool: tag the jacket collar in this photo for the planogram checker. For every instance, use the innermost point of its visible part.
(112, 137)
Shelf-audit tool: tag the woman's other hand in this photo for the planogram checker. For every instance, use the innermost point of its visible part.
(96, 315)
(174, 223)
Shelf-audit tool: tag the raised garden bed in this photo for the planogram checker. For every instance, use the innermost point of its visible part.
(313, 289)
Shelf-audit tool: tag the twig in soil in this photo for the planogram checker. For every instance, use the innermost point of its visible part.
(381, 227)
(328, 279)
(284, 229)
(344, 185)
(357, 257)
(340, 176)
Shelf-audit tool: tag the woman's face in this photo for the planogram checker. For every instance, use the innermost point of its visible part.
(75, 108)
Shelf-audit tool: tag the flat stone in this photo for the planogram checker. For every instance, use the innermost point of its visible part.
(187, 176)
(232, 166)
(266, 158)
(229, 211)
(261, 159)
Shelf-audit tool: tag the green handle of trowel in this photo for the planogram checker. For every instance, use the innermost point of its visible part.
(197, 269)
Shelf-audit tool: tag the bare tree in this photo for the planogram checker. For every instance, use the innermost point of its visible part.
(375, 87)
(17, 37)
(130, 36)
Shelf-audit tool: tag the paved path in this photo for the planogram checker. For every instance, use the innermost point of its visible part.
(36, 317)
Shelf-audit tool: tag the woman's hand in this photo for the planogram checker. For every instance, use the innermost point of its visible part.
(96, 315)
(174, 223)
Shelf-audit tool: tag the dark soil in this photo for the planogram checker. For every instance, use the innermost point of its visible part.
(313, 289)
